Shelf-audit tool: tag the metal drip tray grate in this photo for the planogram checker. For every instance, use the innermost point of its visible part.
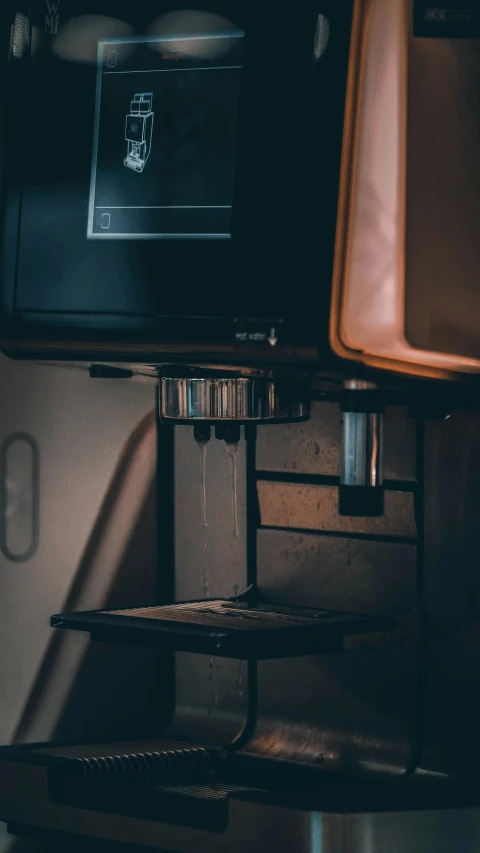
(159, 780)
(226, 614)
(228, 628)
(200, 806)
(153, 759)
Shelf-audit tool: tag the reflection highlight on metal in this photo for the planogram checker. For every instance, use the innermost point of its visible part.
(322, 37)
(362, 442)
(228, 398)
(20, 36)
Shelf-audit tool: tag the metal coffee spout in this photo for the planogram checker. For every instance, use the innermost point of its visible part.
(193, 396)
(361, 478)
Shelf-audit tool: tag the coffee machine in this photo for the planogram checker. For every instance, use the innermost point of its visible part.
(285, 277)
(138, 132)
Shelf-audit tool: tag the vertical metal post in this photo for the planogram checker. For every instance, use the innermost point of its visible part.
(361, 475)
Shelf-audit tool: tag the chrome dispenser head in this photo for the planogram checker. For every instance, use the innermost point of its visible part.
(361, 477)
(192, 396)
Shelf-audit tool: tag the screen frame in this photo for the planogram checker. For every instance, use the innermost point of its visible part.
(103, 46)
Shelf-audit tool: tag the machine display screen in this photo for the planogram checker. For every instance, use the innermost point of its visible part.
(165, 139)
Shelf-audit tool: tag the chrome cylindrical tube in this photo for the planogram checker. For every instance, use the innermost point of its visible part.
(362, 449)
(361, 475)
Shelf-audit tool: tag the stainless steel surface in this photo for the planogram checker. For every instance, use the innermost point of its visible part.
(447, 831)
(228, 399)
(358, 385)
(252, 827)
(356, 713)
(361, 444)
(353, 714)
(362, 449)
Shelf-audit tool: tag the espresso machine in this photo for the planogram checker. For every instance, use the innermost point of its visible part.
(138, 132)
(297, 279)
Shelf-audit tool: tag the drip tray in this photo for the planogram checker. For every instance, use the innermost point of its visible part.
(230, 628)
(198, 806)
(155, 780)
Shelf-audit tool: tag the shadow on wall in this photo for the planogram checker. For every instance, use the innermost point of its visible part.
(78, 683)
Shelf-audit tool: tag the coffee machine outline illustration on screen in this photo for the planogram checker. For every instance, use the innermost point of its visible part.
(139, 131)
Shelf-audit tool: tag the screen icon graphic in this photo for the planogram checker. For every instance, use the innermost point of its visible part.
(139, 131)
